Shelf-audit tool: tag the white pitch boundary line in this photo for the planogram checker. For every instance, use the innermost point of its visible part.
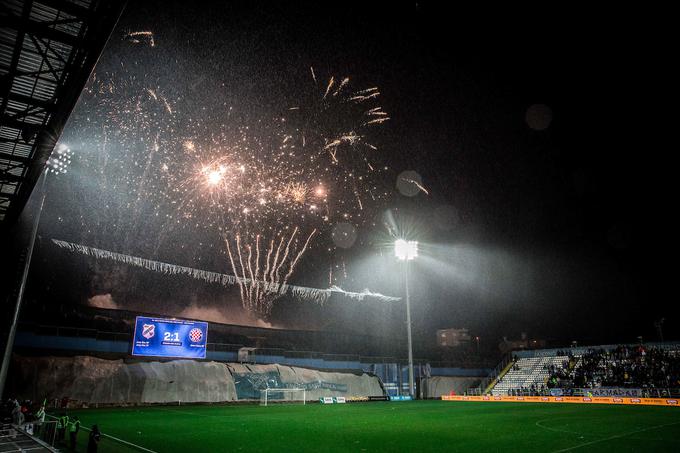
(557, 430)
(139, 447)
(617, 436)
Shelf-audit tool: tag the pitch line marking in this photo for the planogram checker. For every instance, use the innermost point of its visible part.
(617, 436)
(538, 423)
(139, 447)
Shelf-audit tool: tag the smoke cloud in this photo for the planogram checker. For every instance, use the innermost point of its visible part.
(193, 311)
(103, 301)
(214, 314)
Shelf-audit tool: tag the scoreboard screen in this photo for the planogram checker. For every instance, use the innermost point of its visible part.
(159, 337)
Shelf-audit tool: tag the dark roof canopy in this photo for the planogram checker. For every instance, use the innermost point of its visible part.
(48, 49)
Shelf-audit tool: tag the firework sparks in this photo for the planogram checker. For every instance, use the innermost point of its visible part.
(259, 287)
(214, 176)
(376, 121)
(331, 82)
(269, 189)
(167, 106)
(189, 146)
(297, 192)
(417, 184)
(342, 85)
(138, 37)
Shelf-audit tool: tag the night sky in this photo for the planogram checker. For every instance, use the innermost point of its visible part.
(545, 194)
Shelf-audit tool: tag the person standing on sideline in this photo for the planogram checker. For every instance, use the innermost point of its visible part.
(93, 442)
(40, 420)
(17, 415)
(58, 428)
(40, 415)
(62, 424)
(73, 428)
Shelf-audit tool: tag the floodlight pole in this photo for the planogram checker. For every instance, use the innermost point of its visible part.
(7, 357)
(408, 331)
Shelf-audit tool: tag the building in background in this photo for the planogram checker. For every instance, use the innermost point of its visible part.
(453, 337)
(523, 343)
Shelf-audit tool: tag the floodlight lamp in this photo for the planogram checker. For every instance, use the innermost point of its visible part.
(59, 160)
(405, 250)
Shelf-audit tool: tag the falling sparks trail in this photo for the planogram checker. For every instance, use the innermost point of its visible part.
(297, 258)
(376, 121)
(167, 106)
(136, 35)
(260, 288)
(342, 85)
(331, 82)
(252, 185)
(417, 184)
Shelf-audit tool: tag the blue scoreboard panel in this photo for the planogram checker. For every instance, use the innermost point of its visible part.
(158, 337)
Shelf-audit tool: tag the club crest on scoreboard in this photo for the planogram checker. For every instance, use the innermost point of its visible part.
(195, 335)
(148, 330)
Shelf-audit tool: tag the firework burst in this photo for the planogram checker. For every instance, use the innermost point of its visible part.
(268, 189)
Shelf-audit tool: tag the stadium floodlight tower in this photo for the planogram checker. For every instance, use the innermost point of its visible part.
(407, 251)
(57, 163)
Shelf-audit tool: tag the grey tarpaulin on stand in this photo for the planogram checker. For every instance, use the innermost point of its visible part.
(98, 381)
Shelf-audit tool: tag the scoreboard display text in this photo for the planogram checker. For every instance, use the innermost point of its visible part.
(158, 337)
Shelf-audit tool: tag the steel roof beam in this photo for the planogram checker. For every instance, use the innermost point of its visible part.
(9, 177)
(46, 105)
(88, 46)
(15, 158)
(69, 8)
(18, 46)
(40, 29)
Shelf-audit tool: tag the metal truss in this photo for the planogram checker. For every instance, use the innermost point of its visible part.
(48, 49)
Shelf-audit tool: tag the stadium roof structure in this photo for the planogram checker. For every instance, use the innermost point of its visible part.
(48, 49)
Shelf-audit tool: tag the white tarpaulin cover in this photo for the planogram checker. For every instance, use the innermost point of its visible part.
(98, 381)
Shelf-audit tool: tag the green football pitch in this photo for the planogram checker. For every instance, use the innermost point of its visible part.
(389, 426)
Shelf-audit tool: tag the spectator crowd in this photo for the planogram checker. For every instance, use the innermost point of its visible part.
(639, 366)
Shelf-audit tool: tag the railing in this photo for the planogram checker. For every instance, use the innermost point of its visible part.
(507, 358)
(580, 350)
(223, 347)
(31, 436)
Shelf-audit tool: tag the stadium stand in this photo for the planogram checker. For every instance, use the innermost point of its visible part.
(635, 370)
(625, 366)
(526, 374)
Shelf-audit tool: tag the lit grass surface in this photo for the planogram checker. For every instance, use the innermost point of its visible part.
(396, 426)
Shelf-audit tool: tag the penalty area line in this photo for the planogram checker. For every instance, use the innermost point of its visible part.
(617, 436)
